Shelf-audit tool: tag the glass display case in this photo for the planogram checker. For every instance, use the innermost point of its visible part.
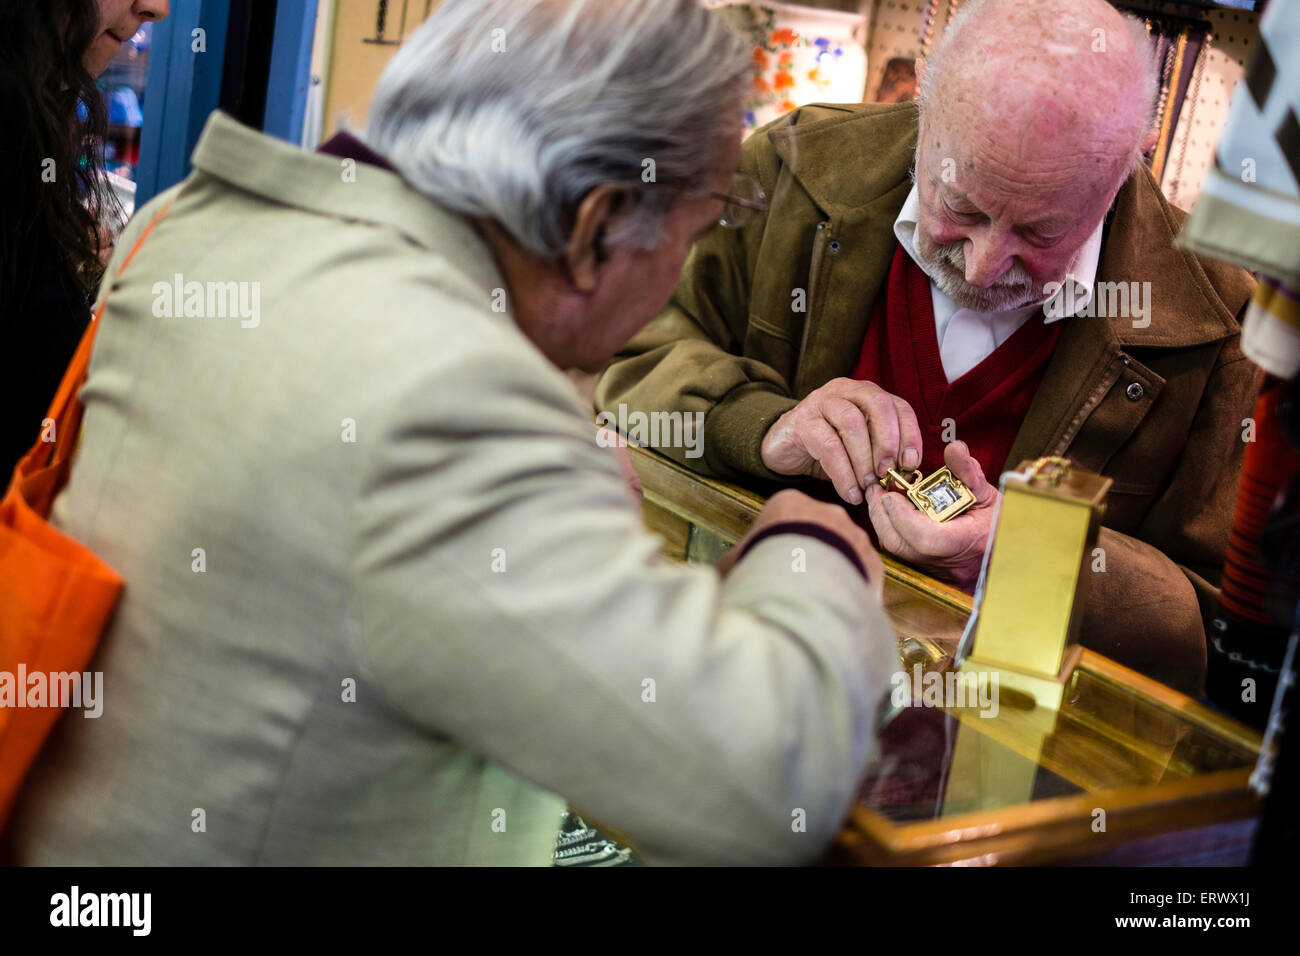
(1126, 770)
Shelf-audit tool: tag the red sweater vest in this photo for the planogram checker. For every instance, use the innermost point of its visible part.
(900, 353)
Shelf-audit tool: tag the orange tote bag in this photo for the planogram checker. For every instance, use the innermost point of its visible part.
(56, 596)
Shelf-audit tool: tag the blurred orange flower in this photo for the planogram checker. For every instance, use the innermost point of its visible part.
(761, 85)
(785, 36)
(760, 57)
(788, 105)
(785, 58)
(783, 81)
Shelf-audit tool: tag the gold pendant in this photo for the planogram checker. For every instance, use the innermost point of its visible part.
(942, 496)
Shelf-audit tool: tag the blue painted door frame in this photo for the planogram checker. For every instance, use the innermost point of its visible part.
(286, 89)
(184, 84)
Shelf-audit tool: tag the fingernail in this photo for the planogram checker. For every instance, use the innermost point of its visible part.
(911, 458)
(855, 496)
(884, 466)
(889, 503)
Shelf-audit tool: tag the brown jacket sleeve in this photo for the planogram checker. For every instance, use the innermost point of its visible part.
(688, 359)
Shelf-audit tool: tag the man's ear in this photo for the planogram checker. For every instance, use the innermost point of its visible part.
(1149, 141)
(585, 252)
(919, 66)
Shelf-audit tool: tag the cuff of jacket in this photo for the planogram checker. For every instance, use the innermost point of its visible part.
(808, 529)
(734, 430)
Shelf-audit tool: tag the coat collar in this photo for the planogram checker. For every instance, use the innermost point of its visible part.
(849, 158)
(284, 174)
(853, 161)
(1186, 308)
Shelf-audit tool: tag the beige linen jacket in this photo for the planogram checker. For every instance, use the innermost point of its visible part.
(386, 599)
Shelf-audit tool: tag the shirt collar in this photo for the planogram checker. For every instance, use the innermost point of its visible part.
(346, 146)
(1071, 298)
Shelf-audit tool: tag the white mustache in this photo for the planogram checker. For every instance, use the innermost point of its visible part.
(1015, 277)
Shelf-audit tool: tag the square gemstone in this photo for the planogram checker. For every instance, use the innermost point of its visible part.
(943, 495)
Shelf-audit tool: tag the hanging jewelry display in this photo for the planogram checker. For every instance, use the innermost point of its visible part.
(928, 15)
(1177, 181)
(1167, 52)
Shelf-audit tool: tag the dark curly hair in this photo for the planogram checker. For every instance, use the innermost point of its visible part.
(50, 109)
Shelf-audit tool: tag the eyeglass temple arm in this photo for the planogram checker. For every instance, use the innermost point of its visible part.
(746, 203)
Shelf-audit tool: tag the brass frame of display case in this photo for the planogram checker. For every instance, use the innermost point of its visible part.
(679, 504)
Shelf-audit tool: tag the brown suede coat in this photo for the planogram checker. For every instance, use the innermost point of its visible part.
(732, 345)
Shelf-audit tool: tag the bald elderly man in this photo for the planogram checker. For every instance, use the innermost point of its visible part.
(983, 277)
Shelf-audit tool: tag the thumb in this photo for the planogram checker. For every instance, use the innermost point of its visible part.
(968, 470)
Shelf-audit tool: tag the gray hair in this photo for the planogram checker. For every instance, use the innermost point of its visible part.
(515, 110)
(1146, 68)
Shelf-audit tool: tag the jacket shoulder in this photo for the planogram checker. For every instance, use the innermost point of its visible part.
(1233, 284)
(837, 151)
(816, 114)
(1198, 300)
(831, 121)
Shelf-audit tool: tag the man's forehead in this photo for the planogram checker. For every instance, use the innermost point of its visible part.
(1028, 208)
(1042, 189)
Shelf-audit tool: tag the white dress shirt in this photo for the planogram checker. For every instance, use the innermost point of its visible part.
(967, 337)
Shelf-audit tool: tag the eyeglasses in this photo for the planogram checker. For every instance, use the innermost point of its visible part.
(741, 204)
(745, 200)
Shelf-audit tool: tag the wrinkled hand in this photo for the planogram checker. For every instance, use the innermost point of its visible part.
(951, 550)
(847, 431)
(793, 505)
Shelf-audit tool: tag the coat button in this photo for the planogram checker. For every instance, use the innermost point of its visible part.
(835, 245)
(1134, 391)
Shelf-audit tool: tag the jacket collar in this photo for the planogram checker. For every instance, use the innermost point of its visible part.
(284, 174)
(1186, 308)
(854, 165)
(851, 160)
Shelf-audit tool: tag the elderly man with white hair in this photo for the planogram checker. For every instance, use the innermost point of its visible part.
(387, 600)
(984, 277)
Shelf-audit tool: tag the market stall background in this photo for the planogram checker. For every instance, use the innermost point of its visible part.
(304, 69)
(355, 39)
